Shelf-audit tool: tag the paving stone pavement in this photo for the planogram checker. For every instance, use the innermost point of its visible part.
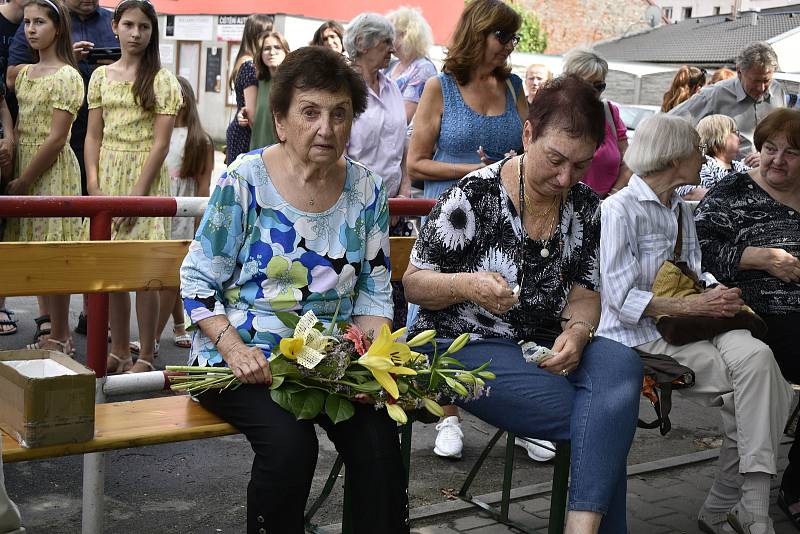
(659, 502)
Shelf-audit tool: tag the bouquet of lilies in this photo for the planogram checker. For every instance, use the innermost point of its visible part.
(320, 368)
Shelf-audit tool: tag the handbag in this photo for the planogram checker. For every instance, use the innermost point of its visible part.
(662, 374)
(675, 279)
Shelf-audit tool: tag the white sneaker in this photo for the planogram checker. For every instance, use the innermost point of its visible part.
(536, 451)
(449, 440)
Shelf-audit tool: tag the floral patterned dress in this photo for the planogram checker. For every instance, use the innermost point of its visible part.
(475, 227)
(255, 254)
(38, 98)
(127, 140)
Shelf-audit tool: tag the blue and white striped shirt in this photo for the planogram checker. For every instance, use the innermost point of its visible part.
(637, 234)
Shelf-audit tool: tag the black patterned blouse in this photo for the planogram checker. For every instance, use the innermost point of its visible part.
(475, 227)
(737, 214)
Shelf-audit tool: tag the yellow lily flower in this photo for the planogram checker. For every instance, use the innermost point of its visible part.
(307, 345)
(397, 413)
(381, 357)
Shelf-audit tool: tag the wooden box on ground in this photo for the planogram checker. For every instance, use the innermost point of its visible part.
(46, 398)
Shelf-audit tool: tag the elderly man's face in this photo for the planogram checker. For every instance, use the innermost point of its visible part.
(83, 8)
(756, 81)
(534, 78)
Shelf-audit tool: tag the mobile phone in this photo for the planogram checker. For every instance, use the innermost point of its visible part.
(534, 353)
(112, 53)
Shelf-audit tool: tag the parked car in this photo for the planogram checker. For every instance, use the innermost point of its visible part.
(633, 115)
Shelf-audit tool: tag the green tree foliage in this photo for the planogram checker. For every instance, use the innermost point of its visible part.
(533, 37)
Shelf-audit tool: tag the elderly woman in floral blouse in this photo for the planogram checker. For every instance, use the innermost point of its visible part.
(510, 254)
(297, 227)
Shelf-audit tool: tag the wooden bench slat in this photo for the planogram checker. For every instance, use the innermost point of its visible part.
(109, 266)
(120, 425)
(89, 266)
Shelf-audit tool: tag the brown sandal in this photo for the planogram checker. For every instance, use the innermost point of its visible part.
(119, 364)
(148, 367)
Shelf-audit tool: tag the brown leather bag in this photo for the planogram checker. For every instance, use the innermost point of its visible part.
(676, 279)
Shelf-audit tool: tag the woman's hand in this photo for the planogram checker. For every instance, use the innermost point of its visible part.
(18, 186)
(718, 301)
(569, 349)
(782, 265)
(490, 291)
(241, 118)
(249, 365)
(487, 161)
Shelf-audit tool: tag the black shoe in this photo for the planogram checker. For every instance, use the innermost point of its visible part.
(81, 326)
(784, 502)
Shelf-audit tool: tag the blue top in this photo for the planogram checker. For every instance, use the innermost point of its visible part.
(254, 254)
(463, 130)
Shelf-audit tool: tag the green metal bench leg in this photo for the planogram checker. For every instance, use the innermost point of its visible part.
(326, 491)
(558, 496)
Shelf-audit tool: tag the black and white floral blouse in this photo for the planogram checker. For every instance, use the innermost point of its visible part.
(737, 214)
(475, 227)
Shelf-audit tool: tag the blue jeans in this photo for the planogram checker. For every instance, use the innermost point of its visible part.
(595, 407)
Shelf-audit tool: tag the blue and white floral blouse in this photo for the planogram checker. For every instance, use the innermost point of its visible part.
(254, 254)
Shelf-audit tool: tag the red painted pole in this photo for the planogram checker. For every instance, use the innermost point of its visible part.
(97, 325)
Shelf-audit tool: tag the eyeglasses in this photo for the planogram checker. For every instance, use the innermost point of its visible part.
(507, 37)
(703, 149)
(269, 48)
(599, 86)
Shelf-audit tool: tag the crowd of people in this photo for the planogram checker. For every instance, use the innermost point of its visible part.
(548, 229)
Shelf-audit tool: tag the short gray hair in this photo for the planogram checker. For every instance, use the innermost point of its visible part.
(759, 54)
(585, 63)
(366, 31)
(658, 142)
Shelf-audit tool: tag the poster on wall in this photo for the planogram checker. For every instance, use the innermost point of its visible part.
(213, 69)
(230, 27)
(167, 53)
(190, 27)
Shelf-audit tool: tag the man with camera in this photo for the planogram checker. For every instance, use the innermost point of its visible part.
(94, 43)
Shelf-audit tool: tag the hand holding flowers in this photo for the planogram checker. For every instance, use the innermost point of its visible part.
(317, 369)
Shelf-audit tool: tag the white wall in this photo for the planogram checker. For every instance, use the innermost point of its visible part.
(704, 8)
(786, 48)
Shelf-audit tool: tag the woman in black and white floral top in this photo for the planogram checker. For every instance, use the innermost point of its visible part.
(749, 230)
(510, 254)
(719, 134)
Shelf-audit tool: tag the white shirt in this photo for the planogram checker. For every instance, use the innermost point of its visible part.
(378, 136)
(637, 234)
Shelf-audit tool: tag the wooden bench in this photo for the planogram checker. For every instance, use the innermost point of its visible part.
(107, 266)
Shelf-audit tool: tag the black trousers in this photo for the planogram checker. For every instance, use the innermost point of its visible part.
(286, 455)
(781, 340)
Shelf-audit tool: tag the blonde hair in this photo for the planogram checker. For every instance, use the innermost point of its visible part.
(585, 63)
(417, 34)
(713, 130)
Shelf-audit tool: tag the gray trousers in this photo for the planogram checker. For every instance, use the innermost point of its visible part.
(737, 373)
(10, 522)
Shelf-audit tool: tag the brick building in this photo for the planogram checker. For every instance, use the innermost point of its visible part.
(571, 23)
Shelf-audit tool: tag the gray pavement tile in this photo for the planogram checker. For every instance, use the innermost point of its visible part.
(537, 505)
(646, 511)
(472, 521)
(436, 529)
(492, 529)
(637, 526)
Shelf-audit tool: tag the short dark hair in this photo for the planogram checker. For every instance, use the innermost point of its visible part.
(782, 120)
(569, 104)
(316, 67)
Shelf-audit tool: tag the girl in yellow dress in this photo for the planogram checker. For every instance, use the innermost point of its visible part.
(132, 107)
(49, 93)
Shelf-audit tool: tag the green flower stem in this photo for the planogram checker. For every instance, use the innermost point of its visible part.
(199, 370)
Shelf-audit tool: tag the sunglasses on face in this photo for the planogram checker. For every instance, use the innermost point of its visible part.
(507, 37)
(599, 86)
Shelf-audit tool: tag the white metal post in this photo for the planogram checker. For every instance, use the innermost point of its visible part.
(94, 478)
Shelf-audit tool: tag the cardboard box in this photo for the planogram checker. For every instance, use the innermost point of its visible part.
(46, 398)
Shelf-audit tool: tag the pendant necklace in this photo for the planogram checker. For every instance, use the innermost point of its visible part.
(544, 252)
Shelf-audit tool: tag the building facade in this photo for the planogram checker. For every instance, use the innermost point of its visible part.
(677, 10)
